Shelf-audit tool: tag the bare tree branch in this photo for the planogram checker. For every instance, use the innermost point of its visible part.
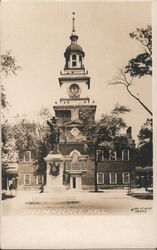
(139, 101)
(127, 83)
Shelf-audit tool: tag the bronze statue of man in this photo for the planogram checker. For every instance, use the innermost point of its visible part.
(54, 133)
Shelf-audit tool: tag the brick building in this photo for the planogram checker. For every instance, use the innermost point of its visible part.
(116, 167)
(27, 180)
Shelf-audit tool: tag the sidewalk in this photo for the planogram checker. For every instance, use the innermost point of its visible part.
(116, 202)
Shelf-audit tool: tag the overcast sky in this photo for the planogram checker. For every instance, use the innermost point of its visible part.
(38, 34)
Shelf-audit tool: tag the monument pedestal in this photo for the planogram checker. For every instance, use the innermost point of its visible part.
(55, 168)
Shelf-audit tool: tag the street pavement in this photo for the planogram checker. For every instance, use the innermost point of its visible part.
(108, 202)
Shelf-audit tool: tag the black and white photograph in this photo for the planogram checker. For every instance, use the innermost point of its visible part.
(76, 115)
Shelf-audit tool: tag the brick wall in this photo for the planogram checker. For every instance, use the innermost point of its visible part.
(106, 167)
(66, 149)
(117, 167)
(27, 169)
(88, 177)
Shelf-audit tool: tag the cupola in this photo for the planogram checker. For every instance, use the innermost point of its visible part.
(74, 54)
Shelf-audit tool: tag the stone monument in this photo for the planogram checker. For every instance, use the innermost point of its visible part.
(54, 160)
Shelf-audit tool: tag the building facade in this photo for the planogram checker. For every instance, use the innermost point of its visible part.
(115, 167)
(74, 106)
(27, 179)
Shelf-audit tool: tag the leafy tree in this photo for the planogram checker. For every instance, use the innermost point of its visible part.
(31, 136)
(44, 115)
(8, 64)
(142, 64)
(145, 152)
(9, 151)
(107, 129)
(26, 136)
(3, 98)
(139, 66)
(9, 67)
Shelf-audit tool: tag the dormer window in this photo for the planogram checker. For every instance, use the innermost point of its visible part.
(73, 60)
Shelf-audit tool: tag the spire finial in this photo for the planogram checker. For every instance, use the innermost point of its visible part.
(73, 36)
(73, 22)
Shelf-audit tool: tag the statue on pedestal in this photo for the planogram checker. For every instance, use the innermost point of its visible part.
(54, 137)
(54, 178)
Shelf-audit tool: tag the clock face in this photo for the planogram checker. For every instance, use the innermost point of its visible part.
(74, 90)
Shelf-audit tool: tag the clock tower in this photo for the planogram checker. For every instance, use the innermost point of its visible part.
(74, 106)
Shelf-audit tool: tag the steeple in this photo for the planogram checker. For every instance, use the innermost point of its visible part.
(73, 22)
(74, 54)
(73, 36)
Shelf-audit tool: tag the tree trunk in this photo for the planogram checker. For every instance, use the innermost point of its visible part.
(96, 165)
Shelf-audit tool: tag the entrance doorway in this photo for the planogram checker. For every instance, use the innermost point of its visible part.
(74, 182)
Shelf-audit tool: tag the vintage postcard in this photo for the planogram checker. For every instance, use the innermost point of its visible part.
(77, 119)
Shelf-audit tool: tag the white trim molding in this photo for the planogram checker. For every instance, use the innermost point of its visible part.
(37, 180)
(102, 175)
(115, 178)
(114, 153)
(28, 179)
(128, 155)
(128, 177)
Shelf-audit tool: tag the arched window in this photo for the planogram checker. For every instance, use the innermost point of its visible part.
(74, 57)
(75, 155)
(74, 60)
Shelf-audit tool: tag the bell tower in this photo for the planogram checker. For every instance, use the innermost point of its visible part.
(74, 53)
(73, 109)
(75, 83)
